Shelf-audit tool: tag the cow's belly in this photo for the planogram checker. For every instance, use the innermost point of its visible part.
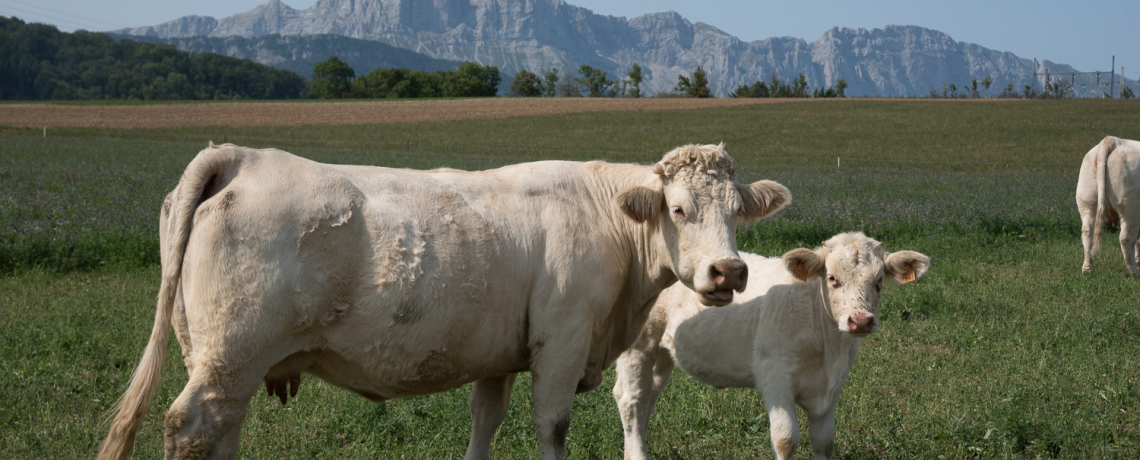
(397, 350)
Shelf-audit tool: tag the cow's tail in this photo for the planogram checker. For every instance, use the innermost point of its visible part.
(1106, 148)
(174, 230)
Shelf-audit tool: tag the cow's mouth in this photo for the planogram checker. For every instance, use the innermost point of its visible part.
(718, 296)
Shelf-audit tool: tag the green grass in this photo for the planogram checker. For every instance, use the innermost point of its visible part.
(1004, 350)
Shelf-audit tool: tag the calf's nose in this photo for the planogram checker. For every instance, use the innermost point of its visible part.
(729, 274)
(860, 323)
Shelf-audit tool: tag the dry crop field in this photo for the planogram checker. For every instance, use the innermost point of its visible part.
(1004, 350)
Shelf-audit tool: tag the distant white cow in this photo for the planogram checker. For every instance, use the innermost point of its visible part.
(793, 339)
(394, 283)
(1109, 188)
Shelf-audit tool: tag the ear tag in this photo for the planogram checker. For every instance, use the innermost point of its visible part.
(907, 276)
(800, 272)
(764, 213)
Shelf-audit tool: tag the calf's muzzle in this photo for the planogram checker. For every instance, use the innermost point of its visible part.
(860, 324)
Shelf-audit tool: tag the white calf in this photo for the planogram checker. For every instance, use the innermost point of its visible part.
(793, 339)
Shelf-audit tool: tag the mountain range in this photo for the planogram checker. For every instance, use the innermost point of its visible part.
(894, 61)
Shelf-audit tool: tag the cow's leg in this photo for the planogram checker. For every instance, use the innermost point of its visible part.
(821, 430)
(1128, 237)
(182, 330)
(1088, 219)
(785, 429)
(556, 372)
(641, 376)
(490, 399)
(205, 420)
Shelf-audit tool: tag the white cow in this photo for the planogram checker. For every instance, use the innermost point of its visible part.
(793, 339)
(1109, 188)
(394, 282)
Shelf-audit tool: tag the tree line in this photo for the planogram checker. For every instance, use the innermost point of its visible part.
(592, 82)
(38, 62)
(334, 79)
(797, 87)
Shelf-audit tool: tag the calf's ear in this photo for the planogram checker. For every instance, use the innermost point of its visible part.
(762, 199)
(641, 203)
(803, 264)
(906, 266)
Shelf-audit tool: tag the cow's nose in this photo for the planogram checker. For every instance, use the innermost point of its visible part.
(729, 274)
(860, 323)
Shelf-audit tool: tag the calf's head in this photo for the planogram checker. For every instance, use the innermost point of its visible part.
(694, 204)
(851, 267)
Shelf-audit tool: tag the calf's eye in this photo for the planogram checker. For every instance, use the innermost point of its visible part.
(679, 212)
(832, 281)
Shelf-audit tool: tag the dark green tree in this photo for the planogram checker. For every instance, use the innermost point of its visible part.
(595, 81)
(697, 87)
(1127, 93)
(526, 84)
(550, 83)
(840, 87)
(986, 82)
(635, 79)
(472, 80)
(758, 89)
(38, 62)
(387, 83)
(332, 79)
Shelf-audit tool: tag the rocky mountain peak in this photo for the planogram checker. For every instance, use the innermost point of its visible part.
(896, 60)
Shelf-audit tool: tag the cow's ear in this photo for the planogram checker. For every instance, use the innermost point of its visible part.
(641, 203)
(762, 199)
(804, 263)
(906, 266)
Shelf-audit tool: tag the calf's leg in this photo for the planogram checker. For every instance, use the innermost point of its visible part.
(490, 399)
(821, 431)
(641, 376)
(785, 429)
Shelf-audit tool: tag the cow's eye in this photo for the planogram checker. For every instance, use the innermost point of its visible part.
(740, 212)
(678, 211)
(879, 285)
(832, 281)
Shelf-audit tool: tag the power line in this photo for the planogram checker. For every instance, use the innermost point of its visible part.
(84, 25)
(52, 19)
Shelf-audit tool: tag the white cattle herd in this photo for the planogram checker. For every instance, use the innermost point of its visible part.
(394, 282)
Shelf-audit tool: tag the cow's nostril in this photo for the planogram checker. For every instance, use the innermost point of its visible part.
(716, 275)
(744, 274)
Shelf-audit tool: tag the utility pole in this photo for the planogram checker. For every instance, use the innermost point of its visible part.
(1034, 73)
(1112, 78)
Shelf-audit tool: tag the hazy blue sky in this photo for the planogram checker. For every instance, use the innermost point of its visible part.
(1083, 34)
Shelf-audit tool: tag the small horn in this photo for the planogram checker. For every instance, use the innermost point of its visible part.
(658, 169)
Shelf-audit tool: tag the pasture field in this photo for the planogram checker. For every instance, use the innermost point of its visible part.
(1004, 349)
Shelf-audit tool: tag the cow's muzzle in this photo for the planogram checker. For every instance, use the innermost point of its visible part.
(725, 276)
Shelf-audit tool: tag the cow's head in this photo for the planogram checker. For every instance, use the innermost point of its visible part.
(852, 267)
(696, 205)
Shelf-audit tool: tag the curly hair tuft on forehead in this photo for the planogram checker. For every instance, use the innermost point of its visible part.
(700, 159)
